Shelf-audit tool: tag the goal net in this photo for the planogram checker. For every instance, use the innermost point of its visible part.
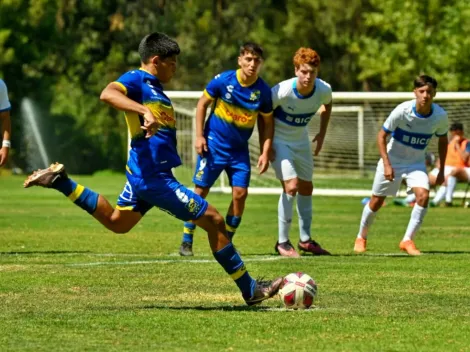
(349, 152)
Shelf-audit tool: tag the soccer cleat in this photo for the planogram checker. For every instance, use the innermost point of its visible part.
(286, 249)
(264, 289)
(360, 245)
(401, 202)
(46, 177)
(409, 247)
(186, 249)
(313, 247)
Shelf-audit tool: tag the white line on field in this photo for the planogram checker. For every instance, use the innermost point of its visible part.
(170, 261)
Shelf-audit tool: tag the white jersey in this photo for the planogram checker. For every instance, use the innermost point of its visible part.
(293, 111)
(411, 132)
(4, 102)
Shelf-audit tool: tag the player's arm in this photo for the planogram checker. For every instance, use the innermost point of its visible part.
(442, 148)
(5, 133)
(115, 95)
(266, 134)
(382, 145)
(464, 154)
(325, 113)
(201, 112)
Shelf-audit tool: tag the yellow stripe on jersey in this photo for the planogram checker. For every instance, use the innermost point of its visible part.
(188, 231)
(122, 86)
(206, 93)
(239, 273)
(128, 207)
(164, 114)
(265, 114)
(239, 79)
(133, 124)
(240, 117)
(128, 169)
(77, 192)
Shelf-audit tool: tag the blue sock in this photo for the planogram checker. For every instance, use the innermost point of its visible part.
(234, 266)
(188, 231)
(232, 222)
(83, 197)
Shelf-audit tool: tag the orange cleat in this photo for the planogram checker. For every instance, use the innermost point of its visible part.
(360, 245)
(409, 247)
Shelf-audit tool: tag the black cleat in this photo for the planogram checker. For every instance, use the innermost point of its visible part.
(264, 289)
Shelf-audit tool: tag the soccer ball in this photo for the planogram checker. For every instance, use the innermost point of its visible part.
(298, 291)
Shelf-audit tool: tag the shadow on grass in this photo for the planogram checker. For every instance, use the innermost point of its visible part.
(43, 252)
(446, 252)
(206, 308)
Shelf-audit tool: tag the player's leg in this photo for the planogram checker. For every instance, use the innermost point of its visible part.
(96, 205)
(417, 181)
(457, 174)
(381, 188)
(442, 190)
(205, 175)
(286, 174)
(239, 173)
(165, 192)
(303, 164)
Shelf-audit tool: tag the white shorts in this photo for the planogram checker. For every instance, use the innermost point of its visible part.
(415, 176)
(293, 160)
(447, 170)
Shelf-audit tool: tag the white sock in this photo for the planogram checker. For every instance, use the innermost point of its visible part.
(416, 219)
(305, 210)
(451, 183)
(440, 194)
(284, 214)
(410, 198)
(367, 220)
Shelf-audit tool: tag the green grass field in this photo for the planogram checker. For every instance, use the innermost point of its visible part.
(67, 284)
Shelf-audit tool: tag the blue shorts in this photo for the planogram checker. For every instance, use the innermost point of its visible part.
(163, 191)
(235, 163)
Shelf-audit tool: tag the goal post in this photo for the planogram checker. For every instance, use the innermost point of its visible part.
(349, 150)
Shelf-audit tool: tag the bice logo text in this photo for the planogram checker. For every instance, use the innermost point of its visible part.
(416, 140)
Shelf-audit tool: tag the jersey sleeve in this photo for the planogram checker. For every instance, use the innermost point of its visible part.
(392, 121)
(276, 95)
(130, 82)
(4, 102)
(443, 127)
(266, 103)
(212, 90)
(327, 96)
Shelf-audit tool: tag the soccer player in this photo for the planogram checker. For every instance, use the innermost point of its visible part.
(150, 182)
(237, 97)
(412, 125)
(5, 123)
(295, 102)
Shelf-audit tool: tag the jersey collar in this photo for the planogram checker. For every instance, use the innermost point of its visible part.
(239, 79)
(418, 114)
(300, 96)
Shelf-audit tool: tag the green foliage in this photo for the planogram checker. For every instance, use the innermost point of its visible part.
(63, 53)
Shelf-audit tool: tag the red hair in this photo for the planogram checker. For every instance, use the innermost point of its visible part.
(306, 56)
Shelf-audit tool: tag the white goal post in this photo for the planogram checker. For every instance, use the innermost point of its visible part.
(349, 151)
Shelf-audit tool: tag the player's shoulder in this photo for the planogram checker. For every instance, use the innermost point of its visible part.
(284, 88)
(132, 75)
(262, 85)
(322, 85)
(3, 85)
(226, 75)
(406, 106)
(438, 110)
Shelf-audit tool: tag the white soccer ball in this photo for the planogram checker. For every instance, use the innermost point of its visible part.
(298, 291)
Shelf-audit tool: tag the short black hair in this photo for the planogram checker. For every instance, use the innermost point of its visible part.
(424, 80)
(157, 44)
(456, 126)
(252, 48)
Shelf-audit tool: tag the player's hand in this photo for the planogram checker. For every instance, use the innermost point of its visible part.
(440, 177)
(150, 124)
(389, 174)
(4, 155)
(263, 163)
(201, 145)
(319, 139)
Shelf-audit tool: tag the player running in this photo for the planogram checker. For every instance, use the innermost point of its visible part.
(295, 102)
(412, 125)
(5, 123)
(150, 182)
(237, 98)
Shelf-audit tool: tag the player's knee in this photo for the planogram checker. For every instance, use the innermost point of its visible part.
(240, 194)
(292, 189)
(376, 203)
(422, 198)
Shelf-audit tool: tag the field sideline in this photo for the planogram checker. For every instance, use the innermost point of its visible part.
(67, 284)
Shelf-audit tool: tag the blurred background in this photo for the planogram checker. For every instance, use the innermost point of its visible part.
(57, 55)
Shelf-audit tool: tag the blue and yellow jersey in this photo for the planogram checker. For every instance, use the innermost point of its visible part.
(157, 153)
(235, 109)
